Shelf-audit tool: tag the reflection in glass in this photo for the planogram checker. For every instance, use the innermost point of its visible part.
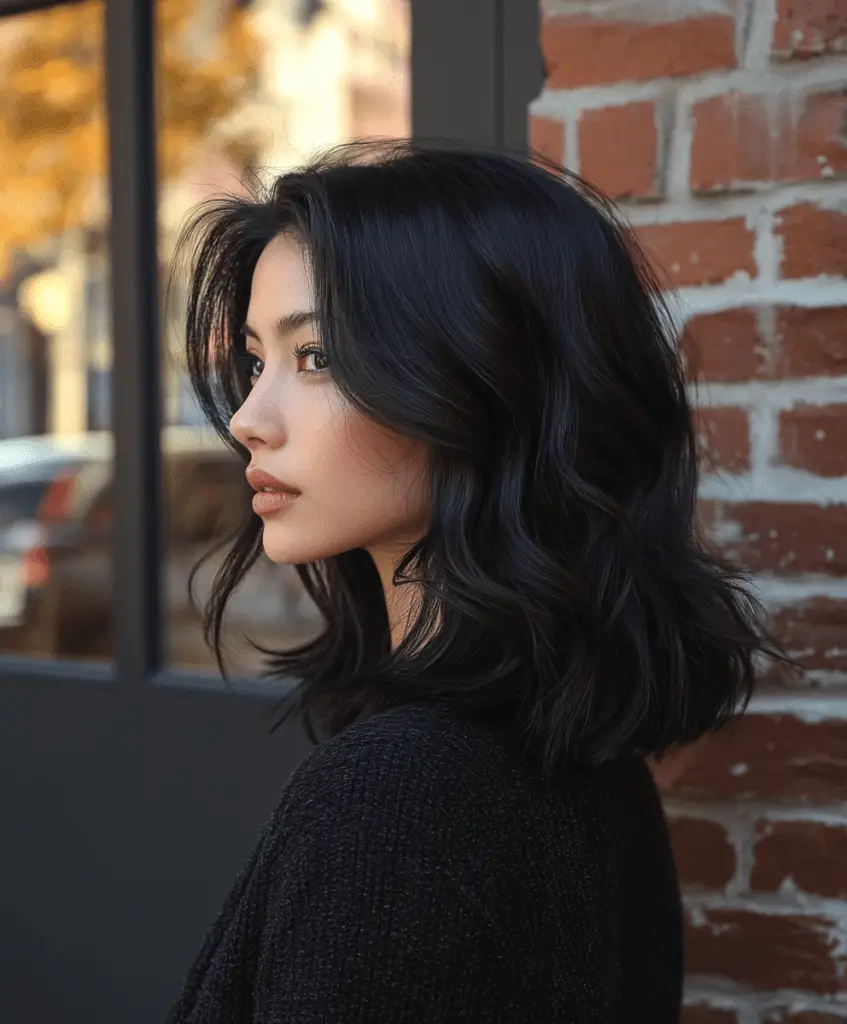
(55, 349)
(323, 73)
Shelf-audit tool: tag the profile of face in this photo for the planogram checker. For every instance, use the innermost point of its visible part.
(359, 485)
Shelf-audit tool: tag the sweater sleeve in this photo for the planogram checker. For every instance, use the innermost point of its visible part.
(365, 921)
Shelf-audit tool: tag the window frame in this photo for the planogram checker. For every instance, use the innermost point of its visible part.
(491, 44)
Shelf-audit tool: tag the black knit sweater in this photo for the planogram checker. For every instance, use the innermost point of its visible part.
(416, 870)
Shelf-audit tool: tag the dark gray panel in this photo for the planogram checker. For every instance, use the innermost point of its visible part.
(522, 66)
(126, 816)
(455, 70)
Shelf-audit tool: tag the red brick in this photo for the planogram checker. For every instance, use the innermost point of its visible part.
(725, 346)
(699, 252)
(811, 342)
(814, 438)
(809, 28)
(547, 137)
(814, 240)
(811, 854)
(815, 632)
(703, 853)
(582, 50)
(702, 1014)
(607, 133)
(736, 344)
(724, 438)
(764, 951)
(742, 138)
(779, 536)
(771, 757)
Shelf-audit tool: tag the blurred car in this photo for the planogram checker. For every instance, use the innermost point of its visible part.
(30, 467)
(68, 577)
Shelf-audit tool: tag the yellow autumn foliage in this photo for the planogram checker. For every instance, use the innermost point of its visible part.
(53, 130)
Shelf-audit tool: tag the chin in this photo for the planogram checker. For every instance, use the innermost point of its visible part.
(284, 547)
(282, 550)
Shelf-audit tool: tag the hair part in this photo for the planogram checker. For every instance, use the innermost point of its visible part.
(498, 310)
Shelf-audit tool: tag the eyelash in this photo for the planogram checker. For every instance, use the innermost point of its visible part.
(310, 350)
(249, 360)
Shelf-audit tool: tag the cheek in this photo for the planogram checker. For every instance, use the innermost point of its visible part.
(390, 469)
(371, 480)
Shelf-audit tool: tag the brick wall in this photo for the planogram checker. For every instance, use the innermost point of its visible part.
(720, 127)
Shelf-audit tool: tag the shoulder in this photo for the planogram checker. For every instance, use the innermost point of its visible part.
(418, 771)
(436, 751)
(407, 732)
(416, 748)
(395, 793)
(365, 869)
(427, 768)
(436, 797)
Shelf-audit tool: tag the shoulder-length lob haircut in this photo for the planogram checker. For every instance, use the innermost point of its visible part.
(497, 310)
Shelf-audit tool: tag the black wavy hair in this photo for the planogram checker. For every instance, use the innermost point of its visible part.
(496, 308)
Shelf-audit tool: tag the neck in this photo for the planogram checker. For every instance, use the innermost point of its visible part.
(401, 602)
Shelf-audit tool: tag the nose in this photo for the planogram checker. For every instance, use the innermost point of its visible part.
(256, 424)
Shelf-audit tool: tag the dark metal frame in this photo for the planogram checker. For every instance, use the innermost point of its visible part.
(494, 42)
(130, 71)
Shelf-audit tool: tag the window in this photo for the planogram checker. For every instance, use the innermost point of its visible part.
(311, 75)
(87, 224)
(54, 217)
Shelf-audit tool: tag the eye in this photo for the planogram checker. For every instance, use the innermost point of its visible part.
(304, 351)
(251, 365)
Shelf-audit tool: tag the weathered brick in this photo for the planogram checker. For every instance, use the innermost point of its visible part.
(607, 133)
(699, 252)
(764, 951)
(547, 137)
(583, 50)
(810, 854)
(814, 438)
(771, 757)
(814, 631)
(809, 28)
(724, 438)
(811, 342)
(745, 138)
(779, 536)
(724, 346)
(736, 345)
(814, 240)
(703, 853)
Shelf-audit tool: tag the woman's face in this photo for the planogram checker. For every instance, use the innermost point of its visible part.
(360, 486)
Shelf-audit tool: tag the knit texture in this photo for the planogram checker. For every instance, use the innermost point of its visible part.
(416, 869)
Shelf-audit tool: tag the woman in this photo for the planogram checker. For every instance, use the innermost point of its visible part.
(457, 394)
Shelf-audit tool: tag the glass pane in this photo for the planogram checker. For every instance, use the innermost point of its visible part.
(251, 85)
(55, 347)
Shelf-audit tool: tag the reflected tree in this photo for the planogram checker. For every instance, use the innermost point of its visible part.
(53, 131)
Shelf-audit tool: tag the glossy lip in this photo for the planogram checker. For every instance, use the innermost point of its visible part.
(259, 480)
(266, 503)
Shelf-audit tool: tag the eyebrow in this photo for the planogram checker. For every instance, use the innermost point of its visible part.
(287, 324)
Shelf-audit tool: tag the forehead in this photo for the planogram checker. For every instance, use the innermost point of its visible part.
(281, 281)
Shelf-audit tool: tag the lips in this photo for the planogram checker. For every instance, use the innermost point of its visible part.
(267, 503)
(260, 480)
